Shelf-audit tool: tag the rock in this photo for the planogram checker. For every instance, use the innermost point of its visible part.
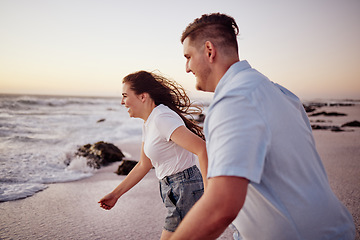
(337, 129)
(330, 114)
(100, 154)
(309, 108)
(125, 167)
(341, 104)
(319, 127)
(352, 124)
(323, 127)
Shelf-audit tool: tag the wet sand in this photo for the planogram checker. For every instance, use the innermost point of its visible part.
(70, 210)
(340, 153)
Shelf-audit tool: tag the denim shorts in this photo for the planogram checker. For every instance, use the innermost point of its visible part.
(179, 193)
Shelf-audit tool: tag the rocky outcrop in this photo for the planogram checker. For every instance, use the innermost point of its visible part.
(125, 167)
(323, 127)
(329, 114)
(100, 154)
(336, 128)
(352, 124)
(309, 109)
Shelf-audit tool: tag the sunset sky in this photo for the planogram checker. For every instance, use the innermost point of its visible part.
(86, 47)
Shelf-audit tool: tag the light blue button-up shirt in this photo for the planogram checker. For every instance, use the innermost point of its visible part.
(259, 130)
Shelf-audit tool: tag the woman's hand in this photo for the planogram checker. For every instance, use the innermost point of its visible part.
(134, 176)
(108, 201)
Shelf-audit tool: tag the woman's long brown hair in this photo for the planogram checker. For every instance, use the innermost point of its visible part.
(165, 91)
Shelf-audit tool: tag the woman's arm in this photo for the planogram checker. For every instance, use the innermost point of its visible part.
(135, 175)
(186, 139)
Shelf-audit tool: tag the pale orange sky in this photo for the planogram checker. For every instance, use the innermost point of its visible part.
(81, 47)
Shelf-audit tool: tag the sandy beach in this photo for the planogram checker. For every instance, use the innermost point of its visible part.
(70, 210)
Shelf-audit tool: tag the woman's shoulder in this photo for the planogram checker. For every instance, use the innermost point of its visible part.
(164, 110)
(164, 113)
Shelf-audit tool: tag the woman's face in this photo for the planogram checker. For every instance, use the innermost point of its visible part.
(131, 101)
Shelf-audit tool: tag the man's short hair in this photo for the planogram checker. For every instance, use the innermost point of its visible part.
(218, 28)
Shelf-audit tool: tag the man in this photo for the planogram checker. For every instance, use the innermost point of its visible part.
(264, 173)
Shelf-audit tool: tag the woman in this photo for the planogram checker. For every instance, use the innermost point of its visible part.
(170, 142)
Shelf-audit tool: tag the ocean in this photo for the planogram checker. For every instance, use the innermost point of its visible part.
(38, 133)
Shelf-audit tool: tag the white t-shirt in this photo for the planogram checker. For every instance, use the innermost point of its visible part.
(166, 156)
(259, 130)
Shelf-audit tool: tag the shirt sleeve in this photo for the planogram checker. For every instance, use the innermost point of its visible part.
(237, 139)
(167, 123)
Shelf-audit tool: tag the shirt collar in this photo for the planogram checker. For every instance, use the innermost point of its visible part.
(231, 72)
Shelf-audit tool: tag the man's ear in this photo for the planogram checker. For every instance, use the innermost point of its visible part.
(210, 51)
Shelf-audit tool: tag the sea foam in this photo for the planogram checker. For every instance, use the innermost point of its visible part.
(38, 133)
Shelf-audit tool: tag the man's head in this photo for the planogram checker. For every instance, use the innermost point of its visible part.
(210, 47)
(219, 28)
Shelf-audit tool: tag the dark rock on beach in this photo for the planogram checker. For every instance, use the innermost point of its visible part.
(100, 154)
(329, 114)
(332, 128)
(341, 104)
(312, 106)
(125, 167)
(309, 109)
(352, 124)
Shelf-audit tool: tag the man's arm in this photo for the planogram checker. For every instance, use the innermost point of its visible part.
(216, 209)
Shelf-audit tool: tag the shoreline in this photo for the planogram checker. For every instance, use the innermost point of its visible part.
(70, 210)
